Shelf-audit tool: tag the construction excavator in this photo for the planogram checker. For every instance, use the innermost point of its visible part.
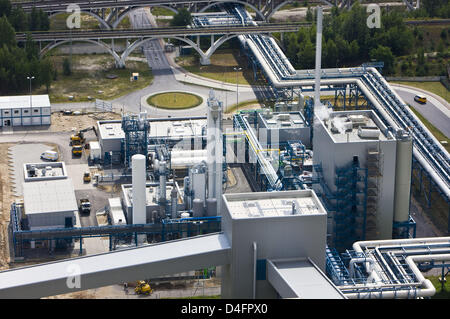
(78, 138)
(143, 288)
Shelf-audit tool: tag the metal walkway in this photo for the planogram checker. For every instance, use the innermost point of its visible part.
(126, 265)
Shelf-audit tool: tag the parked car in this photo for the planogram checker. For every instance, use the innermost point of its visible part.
(50, 156)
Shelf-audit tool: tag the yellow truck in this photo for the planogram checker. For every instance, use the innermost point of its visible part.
(77, 150)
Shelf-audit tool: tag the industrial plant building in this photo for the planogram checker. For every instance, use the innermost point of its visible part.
(327, 213)
(25, 110)
(355, 161)
(50, 204)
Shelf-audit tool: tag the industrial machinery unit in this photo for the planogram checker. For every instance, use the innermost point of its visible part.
(355, 163)
(275, 128)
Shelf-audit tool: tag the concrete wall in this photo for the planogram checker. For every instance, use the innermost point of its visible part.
(276, 237)
(53, 220)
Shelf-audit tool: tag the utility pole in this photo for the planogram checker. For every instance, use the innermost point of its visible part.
(31, 98)
(237, 88)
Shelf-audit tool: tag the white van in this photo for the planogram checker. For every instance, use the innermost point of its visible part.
(50, 155)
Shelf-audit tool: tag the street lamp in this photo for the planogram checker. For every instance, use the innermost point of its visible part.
(237, 88)
(30, 78)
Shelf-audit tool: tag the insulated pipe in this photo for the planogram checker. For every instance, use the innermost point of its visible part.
(318, 57)
(359, 260)
(427, 289)
(187, 153)
(359, 245)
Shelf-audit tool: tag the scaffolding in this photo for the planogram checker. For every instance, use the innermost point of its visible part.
(136, 129)
(167, 229)
(346, 205)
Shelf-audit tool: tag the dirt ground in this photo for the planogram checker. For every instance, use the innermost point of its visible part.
(60, 123)
(7, 197)
(67, 123)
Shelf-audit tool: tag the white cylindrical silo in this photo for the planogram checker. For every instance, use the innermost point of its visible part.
(198, 208)
(403, 177)
(211, 207)
(139, 196)
(174, 202)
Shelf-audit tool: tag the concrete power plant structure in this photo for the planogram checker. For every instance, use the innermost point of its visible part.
(283, 240)
(364, 175)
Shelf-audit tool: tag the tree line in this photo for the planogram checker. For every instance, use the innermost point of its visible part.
(19, 61)
(347, 40)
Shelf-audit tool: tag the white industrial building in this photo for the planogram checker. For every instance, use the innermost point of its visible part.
(25, 110)
(357, 161)
(267, 226)
(189, 130)
(50, 204)
(153, 200)
(280, 127)
(111, 136)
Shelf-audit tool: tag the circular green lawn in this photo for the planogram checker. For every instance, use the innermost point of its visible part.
(174, 100)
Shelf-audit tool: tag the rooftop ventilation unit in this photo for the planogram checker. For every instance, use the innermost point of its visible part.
(358, 120)
(284, 117)
(368, 132)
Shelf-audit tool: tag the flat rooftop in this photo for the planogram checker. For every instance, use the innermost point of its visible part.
(273, 204)
(24, 101)
(301, 278)
(168, 128)
(44, 171)
(111, 130)
(356, 126)
(283, 120)
(49, 197)
(151, 193)
(177, 128)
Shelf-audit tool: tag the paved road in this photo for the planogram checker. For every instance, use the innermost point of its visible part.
(165, 80)
(436, 110)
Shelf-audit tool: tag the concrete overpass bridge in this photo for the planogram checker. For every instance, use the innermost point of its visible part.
(110, 19)
(219, 35)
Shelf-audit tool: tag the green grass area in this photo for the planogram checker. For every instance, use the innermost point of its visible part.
(437, 133)
(241, 106)
(174, 100)
(89, 76)
(433, 87)
(440, 293)
(158, 11)
(221, 68)
(58, 22)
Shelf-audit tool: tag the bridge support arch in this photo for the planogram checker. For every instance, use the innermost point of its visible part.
(205, 57)
(102, 22)
(55, 44)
